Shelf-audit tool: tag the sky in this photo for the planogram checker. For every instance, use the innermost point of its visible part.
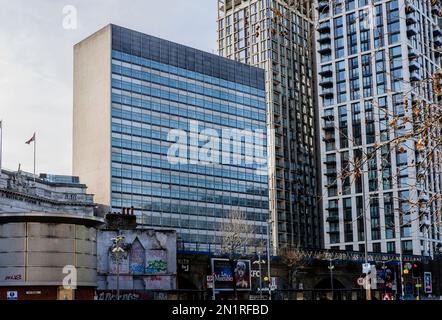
(36, 64)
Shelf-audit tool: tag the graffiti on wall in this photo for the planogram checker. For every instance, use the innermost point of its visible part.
(156, 261)
(137, 257)
(136, 260)
(15, 277)
(158, 283)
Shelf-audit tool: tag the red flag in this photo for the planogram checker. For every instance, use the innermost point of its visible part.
(31, 140)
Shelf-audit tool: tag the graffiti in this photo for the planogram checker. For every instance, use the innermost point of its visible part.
(156, 266)
(107, 296)
(137, 256)
(16, 277)
(156, 261)
(158, 283)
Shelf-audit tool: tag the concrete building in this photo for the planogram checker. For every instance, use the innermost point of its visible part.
(278, 36)
(148, 265)
(134, 96)
(375, 63)
(47, 235)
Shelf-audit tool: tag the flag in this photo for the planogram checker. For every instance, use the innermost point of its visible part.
(31, 140)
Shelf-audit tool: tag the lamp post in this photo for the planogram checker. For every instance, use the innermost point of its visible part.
(259, 262)
(117, 250)
(364, 217)
(269, 225)
(331, 267)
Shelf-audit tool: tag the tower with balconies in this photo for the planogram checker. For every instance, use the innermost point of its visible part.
(278, 37)
(378, 65)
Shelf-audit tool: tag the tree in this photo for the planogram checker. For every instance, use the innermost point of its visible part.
(238, 235)
(295, 259)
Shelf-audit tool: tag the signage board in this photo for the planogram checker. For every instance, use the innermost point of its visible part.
(12, 295)
(223, 272)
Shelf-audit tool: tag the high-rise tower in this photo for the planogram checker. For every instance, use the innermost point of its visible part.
(173, 132)
(278, 37)
(377, 63)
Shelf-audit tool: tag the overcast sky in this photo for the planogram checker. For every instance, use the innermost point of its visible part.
(36, 61)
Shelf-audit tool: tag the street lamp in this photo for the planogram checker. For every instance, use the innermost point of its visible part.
(331, 267)
(259, 262)
(364, 217)
(269, 225)
(117, 251)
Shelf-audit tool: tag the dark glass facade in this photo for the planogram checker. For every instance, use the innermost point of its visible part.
(159, 87)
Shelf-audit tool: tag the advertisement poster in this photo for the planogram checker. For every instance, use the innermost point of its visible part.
(222, 270)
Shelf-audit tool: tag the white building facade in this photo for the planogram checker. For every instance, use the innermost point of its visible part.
(376, 62)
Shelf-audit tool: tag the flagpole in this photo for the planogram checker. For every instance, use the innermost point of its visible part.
(35, 147)
(1, 145)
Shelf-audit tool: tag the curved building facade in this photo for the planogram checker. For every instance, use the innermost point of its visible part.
(47, 238)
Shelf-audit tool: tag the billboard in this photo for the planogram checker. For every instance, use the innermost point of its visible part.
(223, 272)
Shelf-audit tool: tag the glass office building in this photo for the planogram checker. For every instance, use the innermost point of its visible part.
(376, 60)
(177, 133)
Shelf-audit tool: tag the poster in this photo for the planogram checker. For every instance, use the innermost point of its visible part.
(223, 272)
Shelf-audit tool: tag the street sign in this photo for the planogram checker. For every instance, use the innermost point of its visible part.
(255, 273)
(361, 281)
(12, 295)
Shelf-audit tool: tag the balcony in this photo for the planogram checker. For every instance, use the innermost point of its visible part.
(324, 38)
(438, 42)
(414, 65)
(415, 76)
(410, 8)
(333, 219)
(329, 126)
(329, 138)
(325, 48)
(411, 19)
(326, 82)
(424, 197)
(330, 161)
(411, 31)
(323, 5)
(435, 8)
(328, 116)
(326, 71)
(324, 27)
(331, 172)
(327, 93)
(412, 53)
